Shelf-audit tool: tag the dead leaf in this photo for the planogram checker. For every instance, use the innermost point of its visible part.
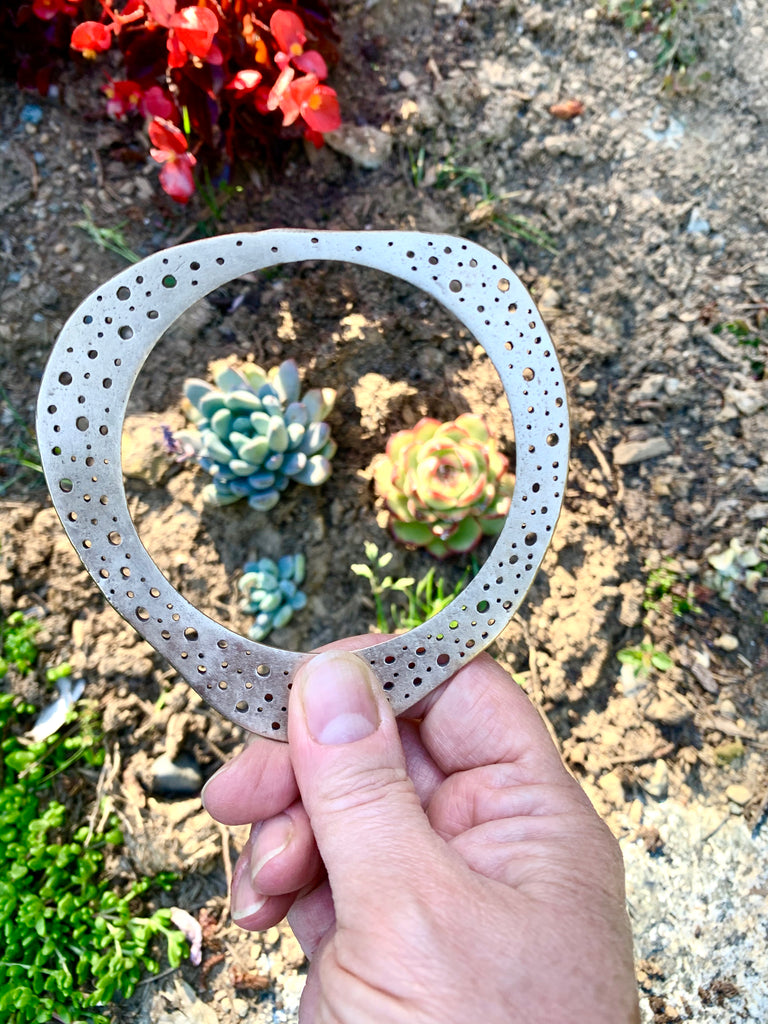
(566, 110)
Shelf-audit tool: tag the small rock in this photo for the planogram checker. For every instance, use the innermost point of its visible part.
(627, 452)
(181, 777)
(449, 6)
(407, 79)
(760, 481)
(587, 388)
(697, 225)
(658, 784)
(739, 794)
(365, 145)
(636, 812)
(748, 402)
(667, 710)
(727, 642)
(612, 786)
(550, 299)
(566, 145)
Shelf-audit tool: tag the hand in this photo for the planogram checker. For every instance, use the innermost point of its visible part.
(464, 874)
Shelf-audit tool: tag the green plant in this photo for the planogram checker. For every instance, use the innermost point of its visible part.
(70, 942)
(445, 485)
(643, 658)
(271, 590)
(111, 239)
(425, 597)
(20, 456)
(752, 340)
(670, 22)
(668, 581)
(489, 207)
(17, 643)
(254, 434)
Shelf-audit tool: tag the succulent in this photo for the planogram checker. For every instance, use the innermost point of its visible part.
(254, 434)
(740, 564)
(271, 590)
(445, 484)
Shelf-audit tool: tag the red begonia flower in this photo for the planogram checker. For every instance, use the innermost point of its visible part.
(194, 28)
(156, 103)
(176, 178)
(123, 97)
(168, 140)
(91, 37)
(311, 63)
(288, 31)
(317, 104)
(244, 81)
(171, 149)
(280, 96)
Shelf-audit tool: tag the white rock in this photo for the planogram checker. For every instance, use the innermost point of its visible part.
(749, 401)
(697, 225)
(365, 145)
(627, 452)
(726, 642)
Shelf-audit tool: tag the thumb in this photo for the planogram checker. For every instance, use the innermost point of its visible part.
(350, 768)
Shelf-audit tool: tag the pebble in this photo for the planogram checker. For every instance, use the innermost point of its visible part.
(739, 794)
(365, 145)
(612, 786)
(697, 225)
(627, 452)
(658, 784)
(587, 388)
(407, 79)
(727, 642)
(181, 777)
(748, 402)
(667, 710)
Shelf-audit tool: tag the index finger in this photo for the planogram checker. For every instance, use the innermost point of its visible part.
(481, 716)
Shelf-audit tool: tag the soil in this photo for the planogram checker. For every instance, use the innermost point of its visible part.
(654, 199)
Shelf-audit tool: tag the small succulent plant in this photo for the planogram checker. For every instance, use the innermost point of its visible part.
(740, 564)
(254, 434)
(271, 590)
(445, 484)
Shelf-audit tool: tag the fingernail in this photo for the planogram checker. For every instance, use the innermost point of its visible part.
(273, 837)
(336, 690)
(245, 900)
(216, 775)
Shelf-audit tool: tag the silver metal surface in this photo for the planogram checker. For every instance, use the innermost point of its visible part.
(81, 410)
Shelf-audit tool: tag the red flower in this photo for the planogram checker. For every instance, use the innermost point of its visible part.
(244, 81)
(171, 149)
(122, 97)
(46, 10)
(288, 31)
(305, 97)
(156, 103)
(91, 37)
(191, 32)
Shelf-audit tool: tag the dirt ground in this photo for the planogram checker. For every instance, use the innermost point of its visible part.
(654, 201)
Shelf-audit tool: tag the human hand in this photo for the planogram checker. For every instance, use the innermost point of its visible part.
(464, 873)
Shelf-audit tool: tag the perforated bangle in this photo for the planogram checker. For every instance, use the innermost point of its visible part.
(81, 409)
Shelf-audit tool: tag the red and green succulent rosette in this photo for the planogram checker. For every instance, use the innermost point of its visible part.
(445, 485)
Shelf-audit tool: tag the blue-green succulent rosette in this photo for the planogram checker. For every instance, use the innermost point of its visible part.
(271, 590)
(254, 433)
